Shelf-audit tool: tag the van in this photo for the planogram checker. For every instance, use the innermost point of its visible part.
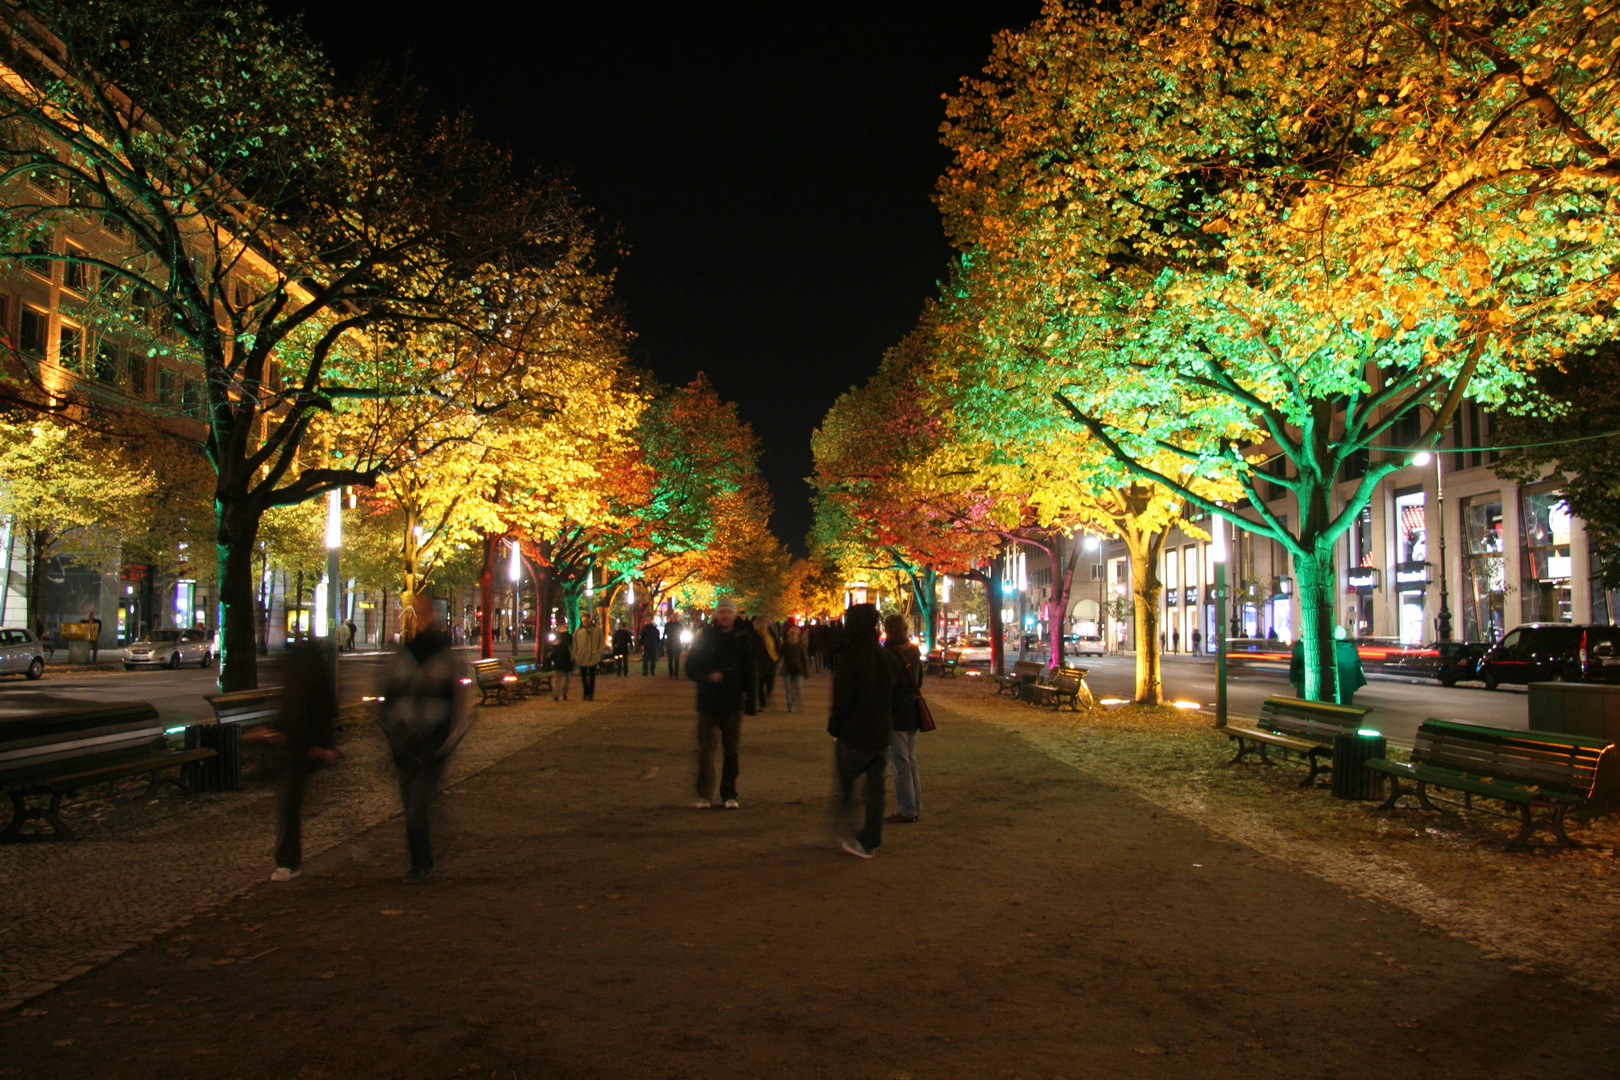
(1553, 652)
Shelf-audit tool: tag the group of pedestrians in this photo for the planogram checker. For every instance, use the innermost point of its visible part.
(424, 714)
(873, 717)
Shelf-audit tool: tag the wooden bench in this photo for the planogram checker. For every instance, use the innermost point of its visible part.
(1294, 725)
(948, 661)
(1067, 684)
(494, 681)
(246, 709)
(531, 680)
(1024, 673)
(57, 754)
(1526, 769)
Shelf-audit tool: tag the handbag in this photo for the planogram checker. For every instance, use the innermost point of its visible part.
(925, 715)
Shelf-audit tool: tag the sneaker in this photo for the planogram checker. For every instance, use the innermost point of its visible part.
(733, 804)
(703, 804)
(414, 875)
(854, 847)
(282, 873)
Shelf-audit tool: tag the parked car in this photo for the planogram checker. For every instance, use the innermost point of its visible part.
(975, 650)
(1553, 652)
(1450, 662)
(21, 653)
(1084, 645)
(170, 649)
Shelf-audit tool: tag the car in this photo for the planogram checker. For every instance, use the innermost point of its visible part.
(975, 650)
(1553, 652)
(1449, 662)
(21, 652)
(170, 649)
(1084, 645)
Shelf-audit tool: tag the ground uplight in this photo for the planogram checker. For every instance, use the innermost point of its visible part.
(1186, 704)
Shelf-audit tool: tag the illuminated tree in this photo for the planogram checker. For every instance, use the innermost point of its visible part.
(1204, 227)
(290, 238)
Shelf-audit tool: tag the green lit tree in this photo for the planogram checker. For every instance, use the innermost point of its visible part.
(1220, 236)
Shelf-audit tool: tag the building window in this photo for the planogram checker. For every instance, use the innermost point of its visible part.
(35, 331)
(165, 387)
(135, 369)
(5, 317)
(70, 346)
(1544, 561)
(106, 363)
(1411, 570)
(41, 257)
(75, 275)
(191, 397)
(1484, 568)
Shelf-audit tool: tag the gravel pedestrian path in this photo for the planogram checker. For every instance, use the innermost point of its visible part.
(586, 922)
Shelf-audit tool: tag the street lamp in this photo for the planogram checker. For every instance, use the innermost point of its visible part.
(514, 573)
(1217, 555)
(1442, 621)
(334, 541)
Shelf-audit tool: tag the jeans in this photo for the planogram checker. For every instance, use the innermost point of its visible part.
(853, 763)
(621, 663)
(649, 661)
(727, 730)
(674, 663)
(587, 682)
(418, 782)
(907, 785)
(559, 683)
(792, 688)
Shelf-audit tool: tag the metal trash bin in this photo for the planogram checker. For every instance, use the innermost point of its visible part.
(223, 771)
(1350, 754)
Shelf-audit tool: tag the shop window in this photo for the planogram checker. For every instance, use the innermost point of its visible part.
(1484, 568)
(1544, 562)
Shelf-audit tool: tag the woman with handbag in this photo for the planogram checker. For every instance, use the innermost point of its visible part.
(903, 744)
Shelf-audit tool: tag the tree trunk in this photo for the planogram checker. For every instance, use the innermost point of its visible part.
(36, 548)
(1062, 586)
(238, 656)
(922, 598)
(1144, 548)
(1321, 670)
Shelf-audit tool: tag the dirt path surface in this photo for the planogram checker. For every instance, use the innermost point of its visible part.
(586, 921)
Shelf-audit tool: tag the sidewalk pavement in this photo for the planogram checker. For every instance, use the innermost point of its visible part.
(585, 921)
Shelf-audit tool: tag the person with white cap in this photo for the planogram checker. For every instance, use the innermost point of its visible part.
(721, 662)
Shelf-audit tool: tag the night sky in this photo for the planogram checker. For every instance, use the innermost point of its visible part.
(771, 169)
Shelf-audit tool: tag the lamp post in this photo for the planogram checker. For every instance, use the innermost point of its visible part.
(1217, 555)
(514, 572)
(1442, 620)
(334, 541)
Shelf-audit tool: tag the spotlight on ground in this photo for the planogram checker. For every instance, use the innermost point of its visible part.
(1186, 704)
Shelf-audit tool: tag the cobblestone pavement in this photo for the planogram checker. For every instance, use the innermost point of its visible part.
(140, 868)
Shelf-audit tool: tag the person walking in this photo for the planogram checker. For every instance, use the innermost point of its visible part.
(650, 637)
(903, 743)
(673, 645)
(765, 658)
(865, 675)
(621, 650)
(795, 664)
(562, 662)
(297, 742)
(1198, 641)
(424, 716)
(587, 655)
(721, 662)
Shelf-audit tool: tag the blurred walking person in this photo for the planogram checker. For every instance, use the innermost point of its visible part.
(650, 637)
(721, 662)
(795, 663)
(865, 675)
(424, 717)
(765, 658)
(903, 743)
(621, 650)
(296, 743)
(562, 662)
(588, 642)
(673, 644)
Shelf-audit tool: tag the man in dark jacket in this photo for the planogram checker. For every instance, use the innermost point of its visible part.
(423, 716)
(866, 679)
(650, 637)
(721, 662)
(622, 639)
